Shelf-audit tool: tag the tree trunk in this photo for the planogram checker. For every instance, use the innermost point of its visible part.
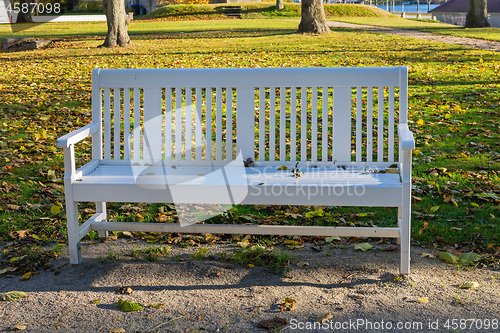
(24, 17)
(477, 16)
(118, 22)
(279, 5)
(313, 17)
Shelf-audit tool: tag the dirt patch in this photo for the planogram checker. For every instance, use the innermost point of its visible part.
(209, 295)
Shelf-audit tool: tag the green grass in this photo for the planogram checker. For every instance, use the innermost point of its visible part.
(427, 26)
(454, 91)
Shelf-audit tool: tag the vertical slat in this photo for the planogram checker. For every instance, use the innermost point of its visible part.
(218, 124)
(272, 123)
(198, 120)
(380, 126)
(262, 124)
(126, 124)
(96, 115)
(403, 95)
(391, 125)
(152, 124)
(229, 124)
(293, 124)
(189, 124)
(245, 124)
(168, 124)
(342, 124)
(369, 124)
(303, 123)
(325, 123)
(107, 124)
(117, 123)
(208, 125)
(359, 122)
(178, 124)
(137, 123)
(282, 129)
(314, 124)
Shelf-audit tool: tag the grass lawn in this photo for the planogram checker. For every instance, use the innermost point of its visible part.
(454, 111)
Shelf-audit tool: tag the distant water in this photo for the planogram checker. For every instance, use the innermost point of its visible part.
(408, 8)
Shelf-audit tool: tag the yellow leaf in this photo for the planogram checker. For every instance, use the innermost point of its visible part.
(423, 300)
(55, 209)
(26, 276)
(420, 122)
(251, 265)
(434, 209)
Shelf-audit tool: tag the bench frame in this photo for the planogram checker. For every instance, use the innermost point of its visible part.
(98, 222)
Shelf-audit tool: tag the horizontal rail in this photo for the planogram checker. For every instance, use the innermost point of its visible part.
(247, 229)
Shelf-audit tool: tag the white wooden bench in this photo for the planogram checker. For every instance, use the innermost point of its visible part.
(185, 136)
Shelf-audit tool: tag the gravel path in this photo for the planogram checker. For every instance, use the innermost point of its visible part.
(470, 42)
(358, 289)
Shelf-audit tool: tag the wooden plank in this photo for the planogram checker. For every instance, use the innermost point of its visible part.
(117, 123)
(252, 77)
(293, 124)
(229, 124)
(314, 124)
(403, 95)
(325, 124)
(391, 125)
(208, 125)
(369, 124)
(152, 124)
(342, 124)
(380, 125)
(248, 229)
(283, 127)
(359, 123)
(126, 124)
(189, 124)
(245, 122)
(178, 123)
(272, 123)
(168, 124)
(218, 124)
(303, 124)
(137, 125)
(97, 143)
(107, 124)
(198, 120)
(262, 123)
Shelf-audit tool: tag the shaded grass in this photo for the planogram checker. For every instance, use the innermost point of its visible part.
(453, 90)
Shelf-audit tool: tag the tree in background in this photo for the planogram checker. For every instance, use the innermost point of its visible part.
(313, 18)
(24, 17)
(118, 21)
(477, 16)
(279, 5)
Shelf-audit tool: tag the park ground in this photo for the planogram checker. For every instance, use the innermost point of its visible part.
(454, 106)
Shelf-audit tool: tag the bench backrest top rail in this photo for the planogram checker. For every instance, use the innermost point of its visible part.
(265, 114)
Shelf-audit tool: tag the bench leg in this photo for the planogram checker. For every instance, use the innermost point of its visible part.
(405, 230)
(100, 207)
(75, 256)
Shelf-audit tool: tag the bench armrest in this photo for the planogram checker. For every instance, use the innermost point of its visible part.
(77, 135)
(406, 137)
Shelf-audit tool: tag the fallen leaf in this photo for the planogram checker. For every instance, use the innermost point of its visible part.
(332, 239)
(124, 290)
(448, 257)
(363, 247)
(469, 285)
(157, 305)
(325, 317)
(117, 330)
(303, 263)
(423, 300)
(128, 306)
(55, 209)
(315, 213)
(18, 327)
(469, 258)
(283, 167)
(434, 209)
(26, 276)
(96, 301)
(289, 304)
(427, 255)
(12, 295)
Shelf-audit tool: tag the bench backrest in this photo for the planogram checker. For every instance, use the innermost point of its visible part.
(266, 114)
